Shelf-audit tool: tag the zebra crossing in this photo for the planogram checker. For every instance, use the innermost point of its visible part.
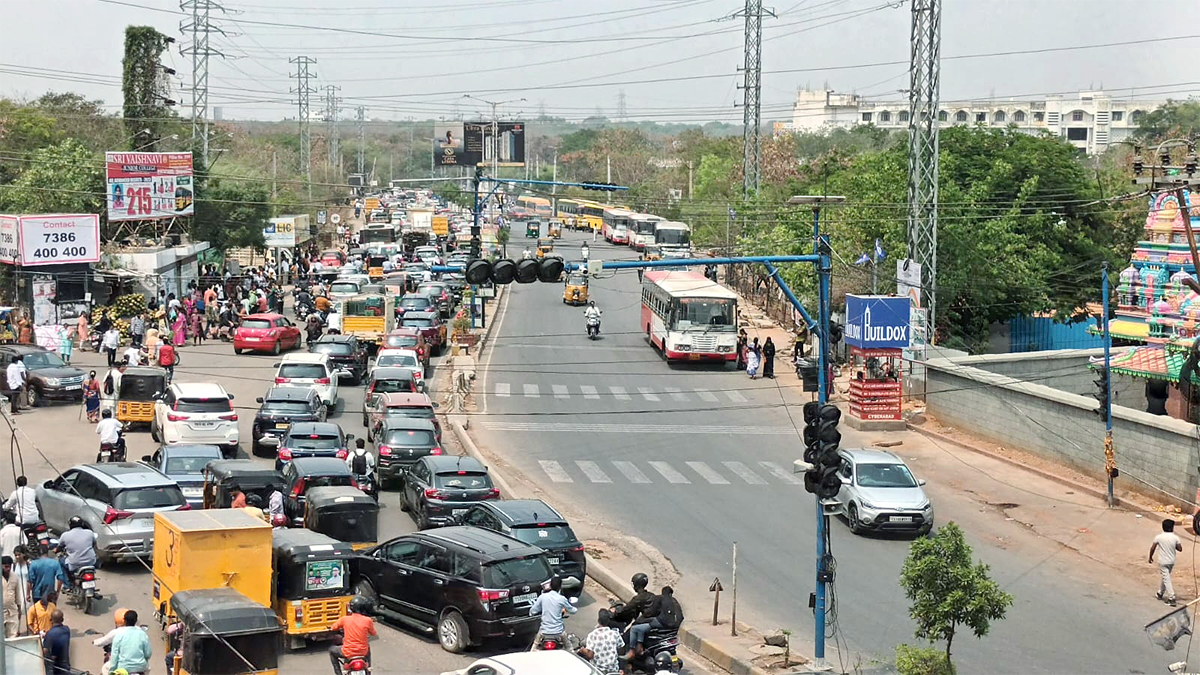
(755, 473)
(563, 392)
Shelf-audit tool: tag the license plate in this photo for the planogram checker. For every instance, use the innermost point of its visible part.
(528, 597)
(73, 386)
(694, 357)
(281, 426)
(203, 425)
(251, 339)
(555, 561)
(899, 519)
(88, 584)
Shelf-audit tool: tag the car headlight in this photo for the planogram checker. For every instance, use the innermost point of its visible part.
(683, 348)
(927, 506)
(53, 381)
(867, 505)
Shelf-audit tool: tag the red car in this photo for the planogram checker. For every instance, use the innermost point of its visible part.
(408, 338)
(333, 259)
(430, 325)
(266, 333)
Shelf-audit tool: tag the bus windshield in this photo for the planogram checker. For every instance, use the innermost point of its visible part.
(644, 226)
(707, 314)
(672, 237)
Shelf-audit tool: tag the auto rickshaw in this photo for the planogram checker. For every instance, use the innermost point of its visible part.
(135, 390)
(222, 476)
(652, 252)
(575, 292)
(220, 630)
(312, 583)
(375, 266)
(555, 229)
(344, 513)
(533, 229)
(544, 247)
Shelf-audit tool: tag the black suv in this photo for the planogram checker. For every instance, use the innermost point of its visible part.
(278, 409)
(440, 487)
(346, 355)
(49, 378)
(401, 442)
(534, 522)
(468, 584)
(312, 439)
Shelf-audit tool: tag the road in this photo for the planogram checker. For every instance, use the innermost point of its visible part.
(692, 459)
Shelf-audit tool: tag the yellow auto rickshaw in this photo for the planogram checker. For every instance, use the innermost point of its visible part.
(344, 513)
(555, 229)
(136, 389)
(652, 252)
(544, 247)
(222, 631)
(312, 583)
(575, 290)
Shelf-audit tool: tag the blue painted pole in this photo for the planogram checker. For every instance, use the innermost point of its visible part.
(823, 269)
(1108, 427)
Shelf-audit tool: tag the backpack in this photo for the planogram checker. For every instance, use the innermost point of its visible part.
(358, 465)
(670, 614)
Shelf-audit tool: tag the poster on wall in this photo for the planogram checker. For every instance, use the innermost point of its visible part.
(9, 226)
(44, 289)
(149, 185)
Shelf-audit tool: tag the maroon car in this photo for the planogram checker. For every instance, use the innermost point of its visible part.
(430, 326)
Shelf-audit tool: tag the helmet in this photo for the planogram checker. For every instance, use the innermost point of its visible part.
(279, 520)
(640, 581)
(75, 522)
(591, 303)
(360, 604)
(662, 661)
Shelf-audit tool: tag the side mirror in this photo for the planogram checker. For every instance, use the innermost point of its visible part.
(921, 481)
(573, 600)
(349, 437)
(49, 485)
(147, 459)
(231, 397)
(258, 400)
(275, 365)
(435, 404)
(156, 395)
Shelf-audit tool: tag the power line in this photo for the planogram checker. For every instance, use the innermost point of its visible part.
(200, 26)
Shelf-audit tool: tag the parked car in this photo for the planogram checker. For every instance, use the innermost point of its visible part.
(347, 354)
(469, 585)
(402, 358)
(536, 523)
(309, 370)
(185, 464)
(49, 377)
(439, 488)
(409, 338)
(118, 501)
(880, 493)
(278, 409)
(431, 327)
(196, 413)
(266, 333)
(400, 443)
(386, 381)
(303, 473)
(312, 439)
(382, 407)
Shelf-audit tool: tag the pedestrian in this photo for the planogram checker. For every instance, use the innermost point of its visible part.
(65, 346)
(91, 397)
(768, 354)
(13, 592)
(741, 349)
(131, 647)
(753, 359)
(109, 343)
(56, 646)
(137, 329)
(24, 332)
(167, 358)
(132, 356)
(82, 330)
(38, 618)
(15, 375)
(20, 570)
(196, 329)
(46, 575)
(1168, 545)
(11, 535)
(177, 329)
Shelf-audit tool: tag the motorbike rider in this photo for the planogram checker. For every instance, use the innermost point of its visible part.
(361, 462)
(526, 255)
(313, 327)
(663, 612)
(79, 543)
(592, 312)
(640, 601)
(23, 503)
(550, 605)
(357, 628)
(109, 431)
(583, 250)
(662, 664)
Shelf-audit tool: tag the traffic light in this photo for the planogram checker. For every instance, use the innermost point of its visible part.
(821, 440)
(1102, 392)
(505, 271)
(602, 187)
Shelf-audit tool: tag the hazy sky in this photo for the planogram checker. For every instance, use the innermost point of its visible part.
(570, 58)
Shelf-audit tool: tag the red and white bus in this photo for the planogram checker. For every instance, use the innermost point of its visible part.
(616, 225)
(688, 317)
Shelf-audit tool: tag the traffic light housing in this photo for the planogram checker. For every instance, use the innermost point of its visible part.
(505, 271)
(1103, 391)
(602, 187)
(821, 441)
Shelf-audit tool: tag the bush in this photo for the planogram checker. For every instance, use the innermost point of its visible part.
(922, 661)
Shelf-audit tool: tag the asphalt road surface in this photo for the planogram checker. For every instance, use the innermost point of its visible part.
(694, 458)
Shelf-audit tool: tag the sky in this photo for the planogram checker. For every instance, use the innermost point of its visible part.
(670, 60)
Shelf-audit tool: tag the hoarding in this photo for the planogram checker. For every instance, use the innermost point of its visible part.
(441, 225)
(149, 185)
(877, 321)
(509, 145)
(50, 239)
(449, 148)
(908, 280)
(285, 231)
(9, 250)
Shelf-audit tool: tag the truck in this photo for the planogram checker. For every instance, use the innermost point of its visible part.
(368, 317)
(420, 219)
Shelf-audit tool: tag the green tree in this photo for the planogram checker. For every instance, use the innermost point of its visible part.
(145, 103)
(1175, 119)
(947, 590)
(230, 214)
(23, 129)
(61, 178)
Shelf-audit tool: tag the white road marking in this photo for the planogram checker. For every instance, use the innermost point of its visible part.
(742, 471)
(676, 393)
(531, 390)
(560, 391)
(669, 473)
(648, 394)
(602, 428)
(706, 472)
(593, 472)
(782, 473)
(503, 389)
(555, 471)
(620, 393)
(735, 396)
(589, 391)
(706, 395)
(631, 472)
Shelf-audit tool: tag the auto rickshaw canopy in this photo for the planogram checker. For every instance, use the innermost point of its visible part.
(310, 564)
(141, 383)
(221, 611)
(222, 476)
(342, 512)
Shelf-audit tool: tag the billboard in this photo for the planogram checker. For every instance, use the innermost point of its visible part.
(509, 143)
(51, 239)
(877, 321)
(149, 185)
(449, 146)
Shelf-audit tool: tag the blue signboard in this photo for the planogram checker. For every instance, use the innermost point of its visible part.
(877, 321)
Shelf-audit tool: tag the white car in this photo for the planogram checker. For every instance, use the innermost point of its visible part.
(880, 493)
(196, 413)
(310, 370)
(555, 662)
(428, 254)
(401, 358)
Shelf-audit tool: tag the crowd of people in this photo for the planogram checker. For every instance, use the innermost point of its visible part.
(753, 357)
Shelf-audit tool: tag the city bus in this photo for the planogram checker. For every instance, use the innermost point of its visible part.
(377, 233)
(592, 214)
(673, 239)
(641, 230)
(688, 317)
(567, 211)
(616, 225)
(534, 207)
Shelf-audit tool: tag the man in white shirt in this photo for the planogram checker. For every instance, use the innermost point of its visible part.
(23, 502)
(1168, 545)
(11, 535)
(15, 374)
(133, 356)
(109, 429)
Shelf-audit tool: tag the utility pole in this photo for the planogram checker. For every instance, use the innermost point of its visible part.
(200, 27)
(554, 177)
(303, 75)
(362, 137)
(751, 95)
(923, 91)
(331, 114)
(621, 112)
(608, 177)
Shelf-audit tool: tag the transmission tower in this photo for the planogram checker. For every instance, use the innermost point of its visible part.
(923, 146)
(303, 89)
(751, 94)
(199, 26)
(331, 114)
(621, 106)
(361, 118)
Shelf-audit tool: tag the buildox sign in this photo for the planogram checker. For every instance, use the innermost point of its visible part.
(877, 321)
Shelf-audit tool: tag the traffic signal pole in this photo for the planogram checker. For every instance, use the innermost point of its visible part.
(822, 250)
(1110, 461)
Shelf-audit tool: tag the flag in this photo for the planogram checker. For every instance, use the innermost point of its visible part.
(863, 259)
(879, 254)
(1167, 630)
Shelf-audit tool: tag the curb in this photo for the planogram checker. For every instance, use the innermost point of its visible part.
(597, 572)
(501, 292)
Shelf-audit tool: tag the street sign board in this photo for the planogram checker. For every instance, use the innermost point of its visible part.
(877, 321)
(908, 280)
(335, 218)
(321, 217)
(441, 225)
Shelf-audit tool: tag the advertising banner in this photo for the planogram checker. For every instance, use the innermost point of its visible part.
(449, 146)
(280, 233)
(908, 280)
(877, 321)
(9, 226)
(149, 185)
(51, 239)
(509, 144)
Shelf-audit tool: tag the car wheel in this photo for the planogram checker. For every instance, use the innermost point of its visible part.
(852, 518)
(365, 589)
(237, 351)
(33, 397)
(403, 499)
(154, 434)
(256, 449)
(452, 633)
(422, 520)
(276, 349)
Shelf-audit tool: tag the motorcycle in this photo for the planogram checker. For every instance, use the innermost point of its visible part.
(37, 535)
(354, 666)
(568, 641)
(82, 591)
(658, 640)
(112, 452)
(593, 327)
(303, 309)
(366, 483)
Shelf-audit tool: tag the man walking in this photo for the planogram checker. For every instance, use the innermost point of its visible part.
(56, 646)
(109, 343)
(1168, 545)
(768, 352)
(137, 329)
(15, 374)
(741, 349)
(131, 647)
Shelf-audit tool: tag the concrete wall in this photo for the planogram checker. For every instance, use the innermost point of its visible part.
(1158, 456)
(1063, 369)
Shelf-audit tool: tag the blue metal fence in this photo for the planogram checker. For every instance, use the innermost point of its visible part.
(1029, 334)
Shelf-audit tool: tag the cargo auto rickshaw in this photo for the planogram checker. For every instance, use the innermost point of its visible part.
(312, 583)
(533, 229)
(375, 266)
(575, 290)
(222, 477)
(344, 513)
(219, 630)
(136, 389)
(544, 247)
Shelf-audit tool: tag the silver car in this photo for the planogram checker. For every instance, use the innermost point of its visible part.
(879, 493)
(117, 499)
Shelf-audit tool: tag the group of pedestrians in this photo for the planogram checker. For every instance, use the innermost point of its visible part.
(751, 356)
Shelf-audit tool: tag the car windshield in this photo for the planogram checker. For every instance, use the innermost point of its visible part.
(310, 371)
(203, 405)
(530, 570)
(408, 303)
(393, 385)
(550, 535)
(707, 314)
(419, 412)
(462, 480)
(37, 360)
(418, 323)
(397, 360)
(149, 498)
(255, 323)
(181, 465)
(286, 407)
(343, 287)
(328, 481)
(410, 438)
(431, 288)
(334, 348)
(884, 476)
(315, 442)
(402, 341)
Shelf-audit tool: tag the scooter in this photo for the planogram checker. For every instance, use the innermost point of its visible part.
(593, 327)
(366, 483)
(657, 640)
(83, 593)
(112, 452)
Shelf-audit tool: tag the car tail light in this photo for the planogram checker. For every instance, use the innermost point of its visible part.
(88, 576)
(322, 380)
(384, 451)
(341, 454)
(577, 549)
(172, 417)
(298, 488)
(231, 417)
(433, 493)
(112, 515)
(281, 380)
(285, 454)
(493, 494)
(435, 451)
(184, 507)
(492, 594)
